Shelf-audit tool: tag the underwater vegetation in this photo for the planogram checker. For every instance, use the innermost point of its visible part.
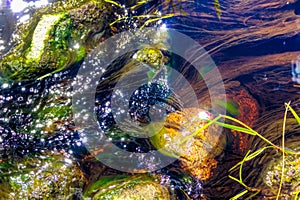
(55, 38)
(280, 178)
(36, 157)
(42, 156)
(59, 36)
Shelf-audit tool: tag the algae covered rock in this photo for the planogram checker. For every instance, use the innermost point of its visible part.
(136, 187)
(55, 40)
(151, 56)
(291, 176)
(197, 154)
(48, 176)
(40, 113)
(54, 112)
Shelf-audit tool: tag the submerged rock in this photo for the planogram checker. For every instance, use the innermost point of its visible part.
(290, 180)
(127, 187)
(197, 154)
(37, 117)
(151, 56)
(50, 176)
(56, 39)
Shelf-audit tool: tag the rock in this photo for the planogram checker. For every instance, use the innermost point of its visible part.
(56, 41)
(291, 176)
(136, 187)
(48, 176)
(197, 154)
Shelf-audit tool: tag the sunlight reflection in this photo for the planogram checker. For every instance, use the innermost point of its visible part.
(20, 5)
(296, 70)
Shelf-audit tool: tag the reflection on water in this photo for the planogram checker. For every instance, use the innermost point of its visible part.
(296, 70)
(256, 48)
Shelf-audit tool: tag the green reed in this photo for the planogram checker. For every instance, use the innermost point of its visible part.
(242, 127)
(249, 156)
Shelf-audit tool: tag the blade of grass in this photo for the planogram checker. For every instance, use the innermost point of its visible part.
(239, 122)
(237, 180)
(140, 3)
(241, 167)
(217, 7)
(256, 153)
(251, 156)
(249, 131)
(256, 133)
(283, 153)
(233, 127)
(253, 195)
(293, 112)
(239, 195)
(199, 130)
(296, 193)
(157, 19)
(113, 2)
(244, 185)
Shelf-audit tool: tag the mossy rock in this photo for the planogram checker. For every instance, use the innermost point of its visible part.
(272, 176)
(151, 56)
(135, 187)
(48, 116)
(55, 41)
(49, 176)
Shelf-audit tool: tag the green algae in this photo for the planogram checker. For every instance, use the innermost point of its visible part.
(46, 176)
(127, 187)
(55, 41)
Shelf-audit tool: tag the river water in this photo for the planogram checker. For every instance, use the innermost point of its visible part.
(255, 47)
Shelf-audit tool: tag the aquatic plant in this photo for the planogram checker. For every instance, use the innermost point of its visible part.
(54, 36)
(281, 173)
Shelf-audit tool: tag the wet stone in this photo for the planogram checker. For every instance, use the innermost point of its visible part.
(54, 41)
(196, 154)
(137, 187)
(44, 176)
(291, 175)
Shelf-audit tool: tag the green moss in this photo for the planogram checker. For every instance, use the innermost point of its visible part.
(55, 39)
(41, 35)
(102, 183)
(130, 187)
(51, 176)
(151, 56)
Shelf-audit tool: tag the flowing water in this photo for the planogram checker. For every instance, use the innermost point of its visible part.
(255, 46)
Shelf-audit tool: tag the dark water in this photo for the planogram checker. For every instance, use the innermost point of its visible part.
(255, 46)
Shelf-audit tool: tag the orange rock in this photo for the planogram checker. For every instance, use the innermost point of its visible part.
(197, 154)
(248, 113)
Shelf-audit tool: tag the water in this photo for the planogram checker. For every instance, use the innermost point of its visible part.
(255, 46)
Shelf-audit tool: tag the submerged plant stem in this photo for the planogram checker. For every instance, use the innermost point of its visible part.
(239, 195)
(283, 152)
(253, 131)
(114, 3)
(200, 129)
(154, 18)
(293, 112)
